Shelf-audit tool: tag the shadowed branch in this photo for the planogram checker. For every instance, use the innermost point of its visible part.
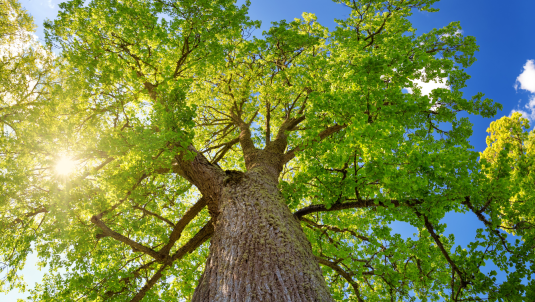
(202, 236)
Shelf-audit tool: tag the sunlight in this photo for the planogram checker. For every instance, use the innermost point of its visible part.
(65, 165)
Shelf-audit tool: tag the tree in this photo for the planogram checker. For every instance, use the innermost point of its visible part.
(175, 157)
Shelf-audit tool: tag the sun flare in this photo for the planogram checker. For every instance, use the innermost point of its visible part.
(65, 166)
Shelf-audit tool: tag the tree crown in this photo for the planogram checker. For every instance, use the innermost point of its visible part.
(142, 87)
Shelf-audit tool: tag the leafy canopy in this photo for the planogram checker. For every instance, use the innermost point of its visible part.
(138, 81)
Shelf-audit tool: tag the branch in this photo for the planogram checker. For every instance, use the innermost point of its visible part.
(342, 273)
(197, 170)
(227, 146)
(97, 168)
(28, 215)
(122, 200)
(182, 223)
(485, 221)
(207, 177)
(268, 120)
(127, 280)
(334, 229)
(324, 134)
(369, 203)
(155, 215)
(234, 141)
(202, 236)
(135, 246)
(372, 36)
(246, 141)
(436, 238)
(149, 284)
(281, 140)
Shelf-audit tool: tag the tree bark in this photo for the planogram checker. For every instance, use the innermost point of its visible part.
(258, 251)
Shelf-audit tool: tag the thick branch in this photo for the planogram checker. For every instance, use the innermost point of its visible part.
(246, 141)
(369, 203)
(207, 177)
(195, 168)
(182, 223)
(199, 171)
(268, 120)
(281, 140)
(202, 236)
(149, 284)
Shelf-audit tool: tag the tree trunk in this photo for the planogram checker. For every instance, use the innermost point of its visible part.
(258, 251)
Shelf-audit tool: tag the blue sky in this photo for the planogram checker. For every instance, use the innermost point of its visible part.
(505, 32)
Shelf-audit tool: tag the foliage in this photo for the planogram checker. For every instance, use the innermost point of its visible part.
(139, 81)
(26, 74)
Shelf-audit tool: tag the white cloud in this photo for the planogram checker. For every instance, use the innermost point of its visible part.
(457, 33)
(527, 78)
(528, 111)
(50, 4)
(524, 113)
(427, 85)
(526, 81)
(426, 88)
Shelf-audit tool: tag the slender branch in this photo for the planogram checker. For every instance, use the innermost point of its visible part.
(334, 229)
(154, 215)
(485, 221)
(232, 142)
(372, 36)
(97, 168)
(135, 245)
(28, 215)
(342, 273)
(122, 200)
(323, 134)
(436, 238)
(221, 153)
(127, 280)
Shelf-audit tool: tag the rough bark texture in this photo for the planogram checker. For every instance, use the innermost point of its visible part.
(258, 251)
(205, 176)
